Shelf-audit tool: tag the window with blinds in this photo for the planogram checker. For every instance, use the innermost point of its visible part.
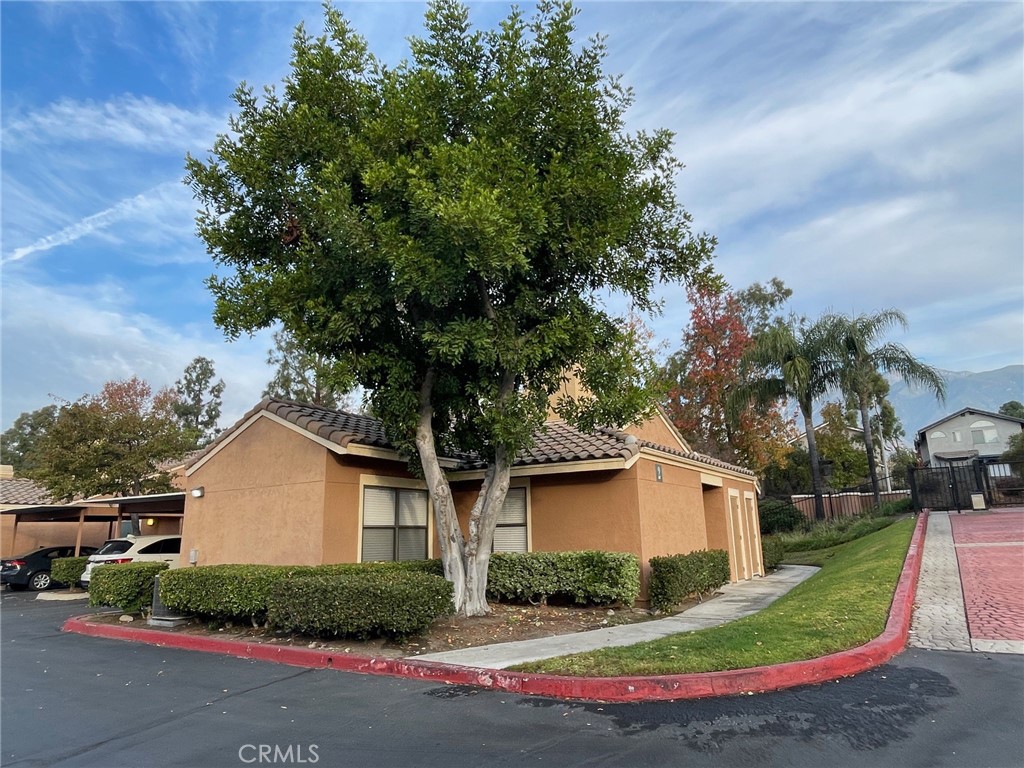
(394, 524)
(510, 533)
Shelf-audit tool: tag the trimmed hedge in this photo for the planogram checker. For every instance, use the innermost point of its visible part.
(372, 603)
(779, 516)
(772, 552)
(128, 586)
(676, 577)
(242, 592)
(68, 570)
(593, 577)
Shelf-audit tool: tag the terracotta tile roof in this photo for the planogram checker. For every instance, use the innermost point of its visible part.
(557, 442)
(168, 464)
(21, 490)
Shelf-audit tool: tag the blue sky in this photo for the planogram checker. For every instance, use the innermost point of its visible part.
(869, 154)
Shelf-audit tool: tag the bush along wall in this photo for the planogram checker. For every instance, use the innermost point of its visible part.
(772, 552)
(128, 586)
(242, 592)
(364, 604)
(68, 570)
(589, 577)
(779, 516)
(677, 577)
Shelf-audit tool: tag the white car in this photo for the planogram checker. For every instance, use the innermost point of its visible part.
(134, 549)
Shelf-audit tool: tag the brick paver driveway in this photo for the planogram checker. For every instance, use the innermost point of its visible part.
(990, 551)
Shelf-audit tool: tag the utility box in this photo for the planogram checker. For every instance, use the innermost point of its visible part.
(978, 501)
(161, 615)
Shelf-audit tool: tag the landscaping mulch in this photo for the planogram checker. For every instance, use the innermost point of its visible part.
(506, 623)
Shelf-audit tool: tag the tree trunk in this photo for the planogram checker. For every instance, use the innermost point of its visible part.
(448, 532)
(812, 454)
(482, 521)
(865, 422)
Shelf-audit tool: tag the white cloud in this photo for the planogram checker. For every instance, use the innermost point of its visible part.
(66, 342)
(142, 123)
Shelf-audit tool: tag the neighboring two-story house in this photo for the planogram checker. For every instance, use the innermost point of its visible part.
(966, 435)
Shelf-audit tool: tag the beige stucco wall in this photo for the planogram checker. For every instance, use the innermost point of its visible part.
(263, 500)
(655, 430)
(672, 511)
(32, 536)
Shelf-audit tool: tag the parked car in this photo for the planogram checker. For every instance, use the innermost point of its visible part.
(33, 570)
(134, 549)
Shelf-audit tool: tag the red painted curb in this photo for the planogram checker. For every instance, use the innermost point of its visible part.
(622, 689)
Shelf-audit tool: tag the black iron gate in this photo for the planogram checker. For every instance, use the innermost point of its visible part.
(952, 486)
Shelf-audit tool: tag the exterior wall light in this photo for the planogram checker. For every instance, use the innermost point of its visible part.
(198, 493)
(150, 521)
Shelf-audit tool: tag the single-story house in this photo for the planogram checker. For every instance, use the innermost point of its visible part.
(966, 435)
(298, 484)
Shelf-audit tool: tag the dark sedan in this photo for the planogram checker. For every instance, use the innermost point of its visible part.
(33, 570)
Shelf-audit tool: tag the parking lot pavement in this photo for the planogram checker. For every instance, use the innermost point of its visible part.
(70, 700)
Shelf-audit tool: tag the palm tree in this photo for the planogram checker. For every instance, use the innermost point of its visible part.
(863, 356)
(797, 360)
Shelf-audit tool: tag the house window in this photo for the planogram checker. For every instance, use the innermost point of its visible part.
(984, 431)
(957, 436)
(394, 524)
(938, 434)
(510, 533)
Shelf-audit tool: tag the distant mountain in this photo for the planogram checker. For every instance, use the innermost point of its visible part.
(986, 390)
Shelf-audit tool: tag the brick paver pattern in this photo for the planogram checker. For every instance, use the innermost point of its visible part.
(990, 550)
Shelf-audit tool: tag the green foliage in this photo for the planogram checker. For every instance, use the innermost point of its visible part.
(128, 586)
(894, 508)
(783, 479)
(676, 577)
(847, 461)
(1012, 408)
(772, 552)
(242, 592)
(1014, 449)
(68, 570)
(18, 443)
(834, 532)
(199, 401)
(110, 443)
(779, 516)
(370, 603)
(584, 577)
(307, 377)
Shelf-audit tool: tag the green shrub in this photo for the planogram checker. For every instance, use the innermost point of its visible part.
(68, 570)
(676, 577)
(893, 508)
(772, 552)
(833, 533)
(779, 516)
(128, 586)
(242, 592)
(594, 577)
(371, 603)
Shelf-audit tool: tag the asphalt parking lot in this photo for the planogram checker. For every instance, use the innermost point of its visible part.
(69, 700)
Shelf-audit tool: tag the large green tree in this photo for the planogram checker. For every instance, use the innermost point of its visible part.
(795, 359)
(199, 401)
(445, 228)
(111, 443)
(864, 354)
(1013, 408)
(305, 376)
(18, 443)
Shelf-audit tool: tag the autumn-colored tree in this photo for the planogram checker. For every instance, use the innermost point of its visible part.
(111, 443)
(704, 372)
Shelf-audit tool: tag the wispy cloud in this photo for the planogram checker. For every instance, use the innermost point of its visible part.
(142, 123)
(144, 205)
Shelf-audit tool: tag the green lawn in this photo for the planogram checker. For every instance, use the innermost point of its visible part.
(843, 606)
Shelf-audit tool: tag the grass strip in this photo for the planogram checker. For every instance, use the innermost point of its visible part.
(843, 606)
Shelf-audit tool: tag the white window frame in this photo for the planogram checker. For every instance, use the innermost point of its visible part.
(524, 485)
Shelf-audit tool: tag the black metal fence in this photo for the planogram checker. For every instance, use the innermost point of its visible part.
(968, 485)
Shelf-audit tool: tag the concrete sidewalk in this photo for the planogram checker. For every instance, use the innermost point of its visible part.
(734, 602)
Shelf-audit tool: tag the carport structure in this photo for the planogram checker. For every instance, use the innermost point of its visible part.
(158, 513)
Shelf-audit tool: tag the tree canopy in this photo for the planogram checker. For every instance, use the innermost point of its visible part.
(110, 443)
(199, 401)
(18, 443)
(443, 228)
(1012, 408)
(306, 376)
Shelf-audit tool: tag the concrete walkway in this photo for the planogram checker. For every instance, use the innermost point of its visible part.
(734, 602)
(970, 596)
